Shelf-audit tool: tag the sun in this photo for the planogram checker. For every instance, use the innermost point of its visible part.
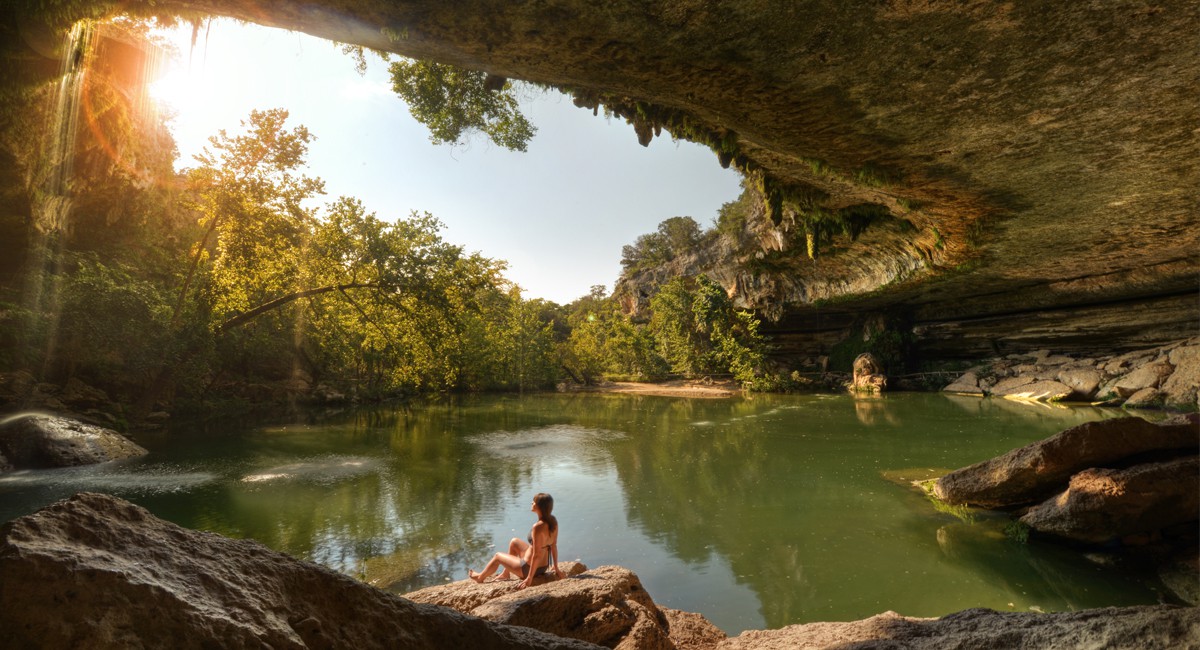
(183, 82)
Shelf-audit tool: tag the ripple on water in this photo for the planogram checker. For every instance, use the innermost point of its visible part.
(326, 469)
(148, 479)
(562, 440)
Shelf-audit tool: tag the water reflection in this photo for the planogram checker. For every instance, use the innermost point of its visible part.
(756, 512)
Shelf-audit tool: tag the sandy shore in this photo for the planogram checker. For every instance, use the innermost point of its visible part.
(676, 388)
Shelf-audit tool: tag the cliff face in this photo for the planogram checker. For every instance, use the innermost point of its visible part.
(1017, 158)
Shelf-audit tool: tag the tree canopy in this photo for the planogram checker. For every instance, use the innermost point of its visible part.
(454, 103)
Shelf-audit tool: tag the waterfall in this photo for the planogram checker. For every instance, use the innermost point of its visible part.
(50, 195)
(52, 191)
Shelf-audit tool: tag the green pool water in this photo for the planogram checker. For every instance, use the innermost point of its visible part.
(757, 512)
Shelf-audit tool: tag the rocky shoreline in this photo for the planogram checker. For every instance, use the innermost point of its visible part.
(118, 576)
(1167, 376)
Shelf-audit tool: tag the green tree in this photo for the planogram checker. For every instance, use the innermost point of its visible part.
(698, 331)
(673, 237)
(250, 193)
(454, 102)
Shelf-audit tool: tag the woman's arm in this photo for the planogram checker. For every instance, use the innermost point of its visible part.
(554, 554)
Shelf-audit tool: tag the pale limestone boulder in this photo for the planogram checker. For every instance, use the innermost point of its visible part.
(1149, 375)
(43, 441)
(968, 384)
(1154, 627)
(1003, 386)
(1083, 381)
(1040, 469)
(1182, 386)
(94, 571)
(607, 606)
(1026, 388)
(689, 631)
(1145, 398)
(1124, 363)
(1101, 505)
(868, 375)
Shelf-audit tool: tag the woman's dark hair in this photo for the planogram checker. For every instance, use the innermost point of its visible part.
(545, 505)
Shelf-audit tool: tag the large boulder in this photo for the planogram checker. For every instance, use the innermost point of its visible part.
(1042, 468)
(868, 376)
(607, 606)
(1150, 375)
(41, 441)
(94, 571)
(967, 384)
(1031, 388)
(1084, 382)
(1182, 386)
(1159, 627)
(1101, 505)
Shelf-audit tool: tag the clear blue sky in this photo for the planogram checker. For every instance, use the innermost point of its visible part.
(559, 213)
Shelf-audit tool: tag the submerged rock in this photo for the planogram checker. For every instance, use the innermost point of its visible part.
(1042, 468)
(42, 441)
(94, 571)
(1101, 505)
(1114, 627)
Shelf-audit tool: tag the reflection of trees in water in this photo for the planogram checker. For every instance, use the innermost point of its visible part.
(794, 520)
(415, 513)
(1051, 577)
(710, 488)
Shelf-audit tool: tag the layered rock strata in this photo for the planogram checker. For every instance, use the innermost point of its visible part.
(1009, 189)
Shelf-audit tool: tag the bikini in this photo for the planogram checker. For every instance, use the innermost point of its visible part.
(541, 571)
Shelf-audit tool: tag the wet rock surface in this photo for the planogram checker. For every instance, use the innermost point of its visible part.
(1042, 468)
(117, 576)
(43, 441)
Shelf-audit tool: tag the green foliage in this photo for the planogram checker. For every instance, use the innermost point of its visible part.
(732, 216)
(453, 102)
(250, 192)
(698, 332)
(674, 237)
(1017, 531)
(892, 347)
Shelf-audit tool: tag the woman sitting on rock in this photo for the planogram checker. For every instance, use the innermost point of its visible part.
(539, 551)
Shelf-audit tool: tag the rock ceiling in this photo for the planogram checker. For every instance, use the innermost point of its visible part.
(1045, 153)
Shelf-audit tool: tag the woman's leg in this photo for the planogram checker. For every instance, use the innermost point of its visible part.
(516, 547)
(509, 562)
